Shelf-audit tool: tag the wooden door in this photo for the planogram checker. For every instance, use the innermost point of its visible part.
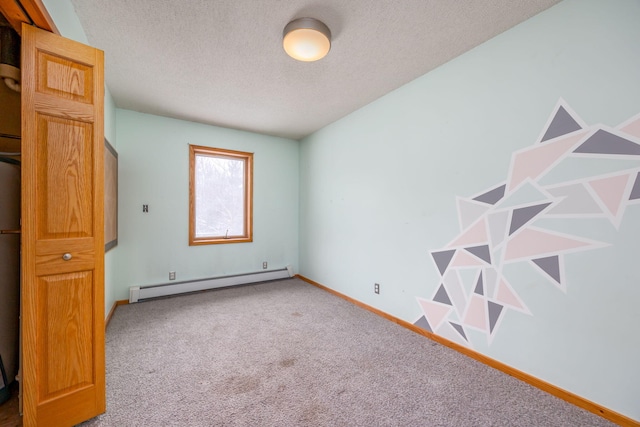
(63, 369)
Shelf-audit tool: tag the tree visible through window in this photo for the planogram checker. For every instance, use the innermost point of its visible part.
(220, 193)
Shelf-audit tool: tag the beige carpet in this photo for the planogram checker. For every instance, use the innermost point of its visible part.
(288, 354)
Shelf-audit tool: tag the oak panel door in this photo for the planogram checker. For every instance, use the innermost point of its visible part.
(63, 366)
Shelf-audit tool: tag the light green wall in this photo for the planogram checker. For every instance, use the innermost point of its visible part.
(154, 170)
(378, 191)
(67, 22)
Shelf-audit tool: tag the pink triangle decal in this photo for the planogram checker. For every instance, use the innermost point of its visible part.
(611, 191)
(435, 312)
(507, 296)
(530, 243)
(465, 259)
(477, 233)
(476, 315)
(532, 162)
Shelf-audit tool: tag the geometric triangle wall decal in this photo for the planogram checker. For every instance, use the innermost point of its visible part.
(550, 265)
(442, 296)
(523, 215)
(532, 162)
(561, 124)
(479, 286)
(575, 199)
(475, 234)
(507, 296)
(635, 191)
(442, 259)
(611, 191)
(532, 243)
(494, 314)
(481, 252)
(603, 142)
(576, 172)
(434, 313)
(459, 329)
(464, 259)
(476, 315)
(492, 197)
(423, 323)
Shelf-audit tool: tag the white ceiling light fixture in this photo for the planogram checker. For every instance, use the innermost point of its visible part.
(306, 39)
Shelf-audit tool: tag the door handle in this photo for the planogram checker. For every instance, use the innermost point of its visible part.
(67, 256)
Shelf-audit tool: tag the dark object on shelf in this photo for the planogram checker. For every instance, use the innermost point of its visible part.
(5, 394)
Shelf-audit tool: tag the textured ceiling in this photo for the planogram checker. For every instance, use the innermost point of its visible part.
(221, 61)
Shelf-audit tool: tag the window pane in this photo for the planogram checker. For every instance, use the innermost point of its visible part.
(220, 193)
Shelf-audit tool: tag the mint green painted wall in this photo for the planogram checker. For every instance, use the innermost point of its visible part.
(67, 22)
(378, 191)
(154, 170)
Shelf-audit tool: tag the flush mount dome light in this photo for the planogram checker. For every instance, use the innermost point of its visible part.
(306, 39)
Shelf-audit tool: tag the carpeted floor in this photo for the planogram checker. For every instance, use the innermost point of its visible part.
(286, 353)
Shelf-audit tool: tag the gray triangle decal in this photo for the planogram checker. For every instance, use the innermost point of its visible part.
(442, 296)
(424, 324)
(561, 124)
(550, 265)
(521, 216)
(479, 286)
(494, 314)
(492, 196)
(635, 191)
(603, 142)
(481, 252)
(460, 330)
(442, 259)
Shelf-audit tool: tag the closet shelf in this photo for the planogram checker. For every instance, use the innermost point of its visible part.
(6, 135)
(9, 231)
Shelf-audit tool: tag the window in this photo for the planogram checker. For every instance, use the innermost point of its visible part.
(220, 195)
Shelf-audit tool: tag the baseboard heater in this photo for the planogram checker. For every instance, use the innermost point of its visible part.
(138, 293)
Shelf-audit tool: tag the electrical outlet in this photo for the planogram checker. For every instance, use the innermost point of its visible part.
(264, 265)
(172, 275)
(376, 288)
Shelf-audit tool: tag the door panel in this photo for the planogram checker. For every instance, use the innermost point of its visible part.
(63, 230)
(67, 322)
(65, 175)
(65, 78)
